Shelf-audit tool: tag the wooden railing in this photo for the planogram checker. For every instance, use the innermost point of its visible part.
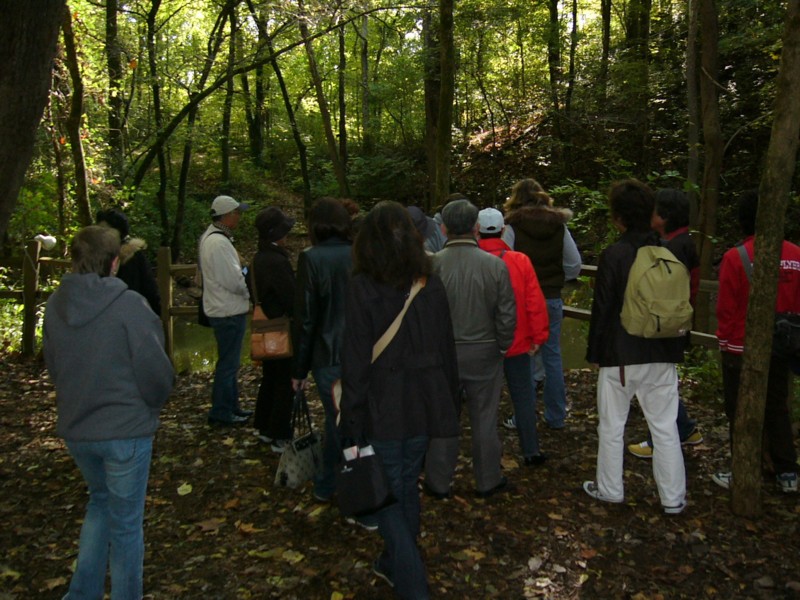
(31, 295)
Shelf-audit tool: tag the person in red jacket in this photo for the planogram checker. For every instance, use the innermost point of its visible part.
(531, 332)
(734, 290)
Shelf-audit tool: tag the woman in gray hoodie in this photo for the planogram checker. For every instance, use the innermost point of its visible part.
(104, 349)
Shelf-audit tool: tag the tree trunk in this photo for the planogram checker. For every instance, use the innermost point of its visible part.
(227, 108)
(74, 122)
(342, 99)
(776, 184)
(214, 44)
(713, 149)
(28, 37)
(605, 17)
(554, 70)
(322, 102)
(446, 94)
(432, 86)
(158, 118)
(367, 136)
(298, 139)
(693, 103)
(637, 24)
(115, 99)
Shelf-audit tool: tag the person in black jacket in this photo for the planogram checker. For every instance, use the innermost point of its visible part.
(410, 392)
(274, 285)
(323, 271)
(134, 268)
(631, 365)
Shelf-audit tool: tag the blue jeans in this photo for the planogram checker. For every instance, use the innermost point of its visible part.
(325, 481)
(519, 378)
(116, 474)
(229, 333)
(555, 393)
(398, 523)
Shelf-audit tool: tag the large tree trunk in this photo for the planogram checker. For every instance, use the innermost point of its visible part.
(74, 122)
(432, 86)
(28, 37)
(693, 104)
(446, 94)
(776, 184)
(325, 113)
(115, 99)
(158, 118)
(713, 149)
(637, 24)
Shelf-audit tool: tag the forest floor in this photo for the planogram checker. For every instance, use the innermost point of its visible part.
(216, 526)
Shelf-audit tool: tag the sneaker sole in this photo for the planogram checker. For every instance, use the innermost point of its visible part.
(674, 510)
(382, 575)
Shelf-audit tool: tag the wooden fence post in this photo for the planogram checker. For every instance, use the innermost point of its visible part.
(30, 287)
(164, 280)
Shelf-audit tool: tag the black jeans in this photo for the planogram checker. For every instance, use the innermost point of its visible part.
(274, 404)
(777, 420)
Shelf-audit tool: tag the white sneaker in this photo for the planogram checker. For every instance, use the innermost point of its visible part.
(510, 422)
(723, 479)
(590, 487)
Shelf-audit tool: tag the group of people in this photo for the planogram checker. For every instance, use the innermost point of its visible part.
(488, 308)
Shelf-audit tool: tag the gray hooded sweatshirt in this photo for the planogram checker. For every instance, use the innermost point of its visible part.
(104, 349)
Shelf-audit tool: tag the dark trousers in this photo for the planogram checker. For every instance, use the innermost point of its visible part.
(274, 403)
(777, 420)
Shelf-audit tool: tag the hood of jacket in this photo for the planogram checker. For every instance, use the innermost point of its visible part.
(539, 222)
(130, 247)
(83, 296)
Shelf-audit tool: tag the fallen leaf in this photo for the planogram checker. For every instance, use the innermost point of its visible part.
(185, 489)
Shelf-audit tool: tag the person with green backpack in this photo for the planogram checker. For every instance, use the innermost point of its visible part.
(640, 315)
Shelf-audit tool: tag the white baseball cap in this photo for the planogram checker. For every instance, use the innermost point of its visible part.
(222, 205)
(490, 220)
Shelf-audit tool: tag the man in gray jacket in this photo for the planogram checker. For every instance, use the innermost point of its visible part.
(104, 349)
(483, 312)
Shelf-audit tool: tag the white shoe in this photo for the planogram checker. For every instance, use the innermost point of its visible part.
(590, 487)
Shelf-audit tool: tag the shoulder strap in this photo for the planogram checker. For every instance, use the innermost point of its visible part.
(389, 334)
(748, 265)
(253, 283)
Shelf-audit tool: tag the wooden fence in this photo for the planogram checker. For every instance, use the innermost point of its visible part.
(33, 264)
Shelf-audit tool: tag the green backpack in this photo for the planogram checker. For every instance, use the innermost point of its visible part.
(656, 301)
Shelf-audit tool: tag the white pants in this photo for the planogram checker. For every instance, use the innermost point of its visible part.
(656, 387)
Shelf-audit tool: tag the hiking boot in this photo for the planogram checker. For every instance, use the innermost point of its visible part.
(787, 482)
(510, 423)
(590, 487)
(723, 479)
(641, 450)
(693, 439)
(674, 510)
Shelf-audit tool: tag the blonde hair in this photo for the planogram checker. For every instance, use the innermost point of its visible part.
(527, 192)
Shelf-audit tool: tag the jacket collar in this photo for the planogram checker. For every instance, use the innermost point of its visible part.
(493, 245)
(461, 242)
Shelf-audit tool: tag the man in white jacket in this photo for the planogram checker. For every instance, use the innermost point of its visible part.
(226, 301)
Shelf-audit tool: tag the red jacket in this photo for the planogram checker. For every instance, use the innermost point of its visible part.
(533, 326)
(734, 290)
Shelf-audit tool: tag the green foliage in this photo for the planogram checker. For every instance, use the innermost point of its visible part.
(385, 176)
(702, 371)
